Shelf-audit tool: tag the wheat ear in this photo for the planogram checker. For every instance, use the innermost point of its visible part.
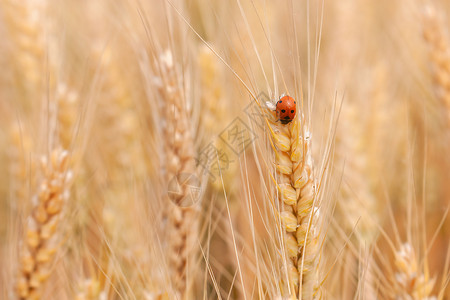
(179, 161)
(24, 20)
(67, 107)
(411, 282)
(21, 145)
(296, 191)
(436, 37)
(89, 290)
(358, 204)
(41, 240)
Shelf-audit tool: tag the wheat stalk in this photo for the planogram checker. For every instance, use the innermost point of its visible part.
(41, 240)
(299, 215)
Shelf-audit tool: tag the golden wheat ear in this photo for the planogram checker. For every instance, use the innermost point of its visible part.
(42, 239)
(435, 33)
(299, 214)
(411, 282)
(182, 200)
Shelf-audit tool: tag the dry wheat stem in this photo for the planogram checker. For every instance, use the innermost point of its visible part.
(296, 190)
(42, 240)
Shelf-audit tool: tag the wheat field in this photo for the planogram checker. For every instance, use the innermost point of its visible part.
(144, 155)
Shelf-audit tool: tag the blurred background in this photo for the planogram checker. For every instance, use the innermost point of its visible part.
(133, 89)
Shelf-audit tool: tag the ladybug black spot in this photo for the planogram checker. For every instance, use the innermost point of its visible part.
(283, 111)
(280, 101)
(294, 102)
(292, 111)
(286, 118)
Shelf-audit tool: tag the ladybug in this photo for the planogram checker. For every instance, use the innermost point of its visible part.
(286, 109)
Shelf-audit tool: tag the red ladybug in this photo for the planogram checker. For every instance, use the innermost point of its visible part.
(286, 109)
